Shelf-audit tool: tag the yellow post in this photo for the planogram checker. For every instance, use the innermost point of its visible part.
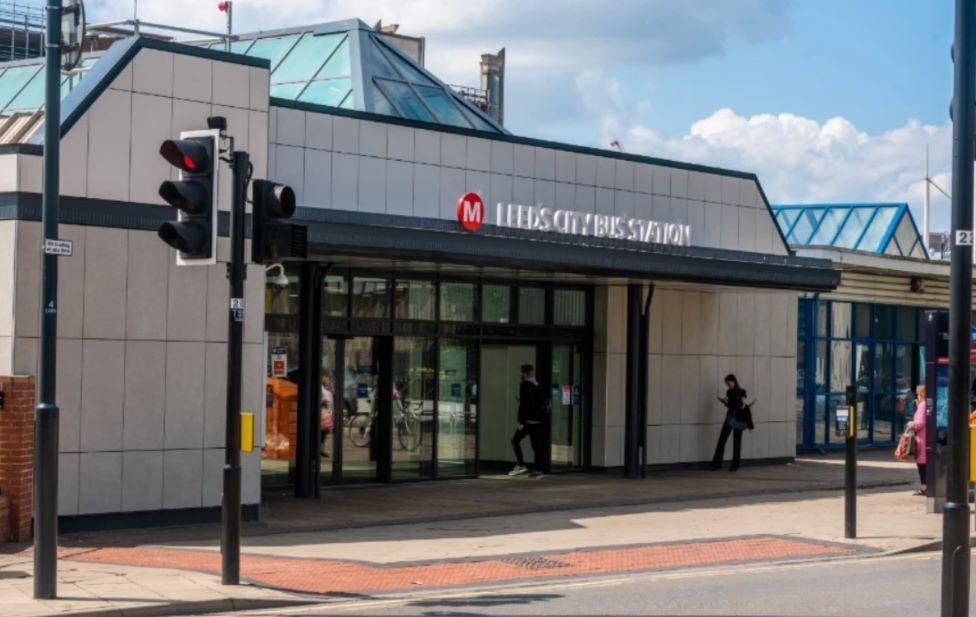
(247, 431)
(972, 453)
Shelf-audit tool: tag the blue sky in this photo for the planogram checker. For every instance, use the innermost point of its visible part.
(826, 100)
(876, 63)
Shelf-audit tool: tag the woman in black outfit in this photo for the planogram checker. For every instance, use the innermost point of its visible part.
(738, 417)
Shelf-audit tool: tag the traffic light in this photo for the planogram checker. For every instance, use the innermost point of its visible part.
(194, 195)
(272, 240)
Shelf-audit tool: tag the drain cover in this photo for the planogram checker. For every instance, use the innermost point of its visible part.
(535, 562)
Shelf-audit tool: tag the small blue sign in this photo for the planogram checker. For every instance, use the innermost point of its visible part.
(362, 390)
(455, 389)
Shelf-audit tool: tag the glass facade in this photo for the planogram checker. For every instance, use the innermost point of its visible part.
(401, 379)
(874, 347)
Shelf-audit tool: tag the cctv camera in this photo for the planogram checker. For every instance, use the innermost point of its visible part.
(281, 280)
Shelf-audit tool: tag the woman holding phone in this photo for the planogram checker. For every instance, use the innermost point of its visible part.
(738, 417)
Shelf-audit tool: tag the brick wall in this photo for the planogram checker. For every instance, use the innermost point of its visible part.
(17, 453)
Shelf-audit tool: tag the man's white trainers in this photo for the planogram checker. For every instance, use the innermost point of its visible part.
(518, 470)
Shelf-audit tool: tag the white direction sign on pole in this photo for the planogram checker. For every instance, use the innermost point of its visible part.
(61, 248)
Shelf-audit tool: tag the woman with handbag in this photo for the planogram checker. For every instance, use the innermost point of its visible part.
(327, 417)
(738, 417)
(917, 426)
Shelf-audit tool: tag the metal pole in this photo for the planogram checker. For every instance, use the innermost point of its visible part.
(230, 540)
(46, 413)
(955, 517)
(926, 204)
(850, 466)
(632, 440)
(230, 25)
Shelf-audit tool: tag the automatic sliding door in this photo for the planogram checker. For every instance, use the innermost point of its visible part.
(360, 408)
(457, 408)
(412, 457)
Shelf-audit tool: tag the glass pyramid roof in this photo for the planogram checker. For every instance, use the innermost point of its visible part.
(347, 64)
(884, 228)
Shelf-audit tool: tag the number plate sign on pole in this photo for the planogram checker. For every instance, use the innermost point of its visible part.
(955, 516)
(46, 413)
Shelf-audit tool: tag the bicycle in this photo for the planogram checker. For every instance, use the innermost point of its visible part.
(406, 423)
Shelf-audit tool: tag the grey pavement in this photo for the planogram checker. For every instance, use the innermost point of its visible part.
(436, 521)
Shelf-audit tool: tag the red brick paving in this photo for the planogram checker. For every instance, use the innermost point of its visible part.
(325, 576)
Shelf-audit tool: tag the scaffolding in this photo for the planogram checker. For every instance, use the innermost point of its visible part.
(21, 30)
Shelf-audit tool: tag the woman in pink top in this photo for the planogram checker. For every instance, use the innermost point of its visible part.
(918, 425)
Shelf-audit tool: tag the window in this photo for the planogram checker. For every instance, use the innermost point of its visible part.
(335, 296)
(853, 228)
(281, 300)
(495, 303)
(457, 302)
(569, 307)
(873, 235)
(414, 300)
(403, 97)
(369, 298)
(829, 225)
(331, 92)
(532, 306)
(306, 57)
(862, 320)
(442, 106)
(272, 49)
(840, 320)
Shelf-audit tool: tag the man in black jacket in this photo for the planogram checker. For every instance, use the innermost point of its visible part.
(531, 412)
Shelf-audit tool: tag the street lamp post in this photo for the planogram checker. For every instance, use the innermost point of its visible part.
(46, 413)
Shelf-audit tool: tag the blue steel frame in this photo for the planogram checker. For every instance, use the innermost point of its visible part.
(807, 389)
(902, 210)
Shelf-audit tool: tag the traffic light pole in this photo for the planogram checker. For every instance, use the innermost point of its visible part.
(955, 518)
(46, 413)
(230, 540)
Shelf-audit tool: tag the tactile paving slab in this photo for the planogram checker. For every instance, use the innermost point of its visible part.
(325, 576)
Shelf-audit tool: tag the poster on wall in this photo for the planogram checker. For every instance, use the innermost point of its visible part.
(279, 362)
(567, 394)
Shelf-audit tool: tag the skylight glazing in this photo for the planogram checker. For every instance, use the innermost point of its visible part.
(329, 64)
(885, 229)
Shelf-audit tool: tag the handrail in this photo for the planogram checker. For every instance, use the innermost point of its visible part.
(136, 24)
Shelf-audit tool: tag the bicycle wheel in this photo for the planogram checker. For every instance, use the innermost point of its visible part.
(409, 433)
(360, 429)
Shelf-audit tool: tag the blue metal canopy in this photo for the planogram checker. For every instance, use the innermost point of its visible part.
(347, 64)
(882, 228)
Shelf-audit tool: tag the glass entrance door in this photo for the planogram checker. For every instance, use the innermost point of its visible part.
(566, 426)
(498, 392)
(348, 446)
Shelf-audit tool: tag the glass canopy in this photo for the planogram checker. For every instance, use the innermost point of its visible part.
(349, 65)
(885, 229)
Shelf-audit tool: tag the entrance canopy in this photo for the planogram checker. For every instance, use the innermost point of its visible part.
(356, 234)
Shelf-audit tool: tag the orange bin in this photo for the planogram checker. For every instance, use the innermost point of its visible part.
(281, 418)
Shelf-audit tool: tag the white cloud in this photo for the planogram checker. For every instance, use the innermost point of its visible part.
(541, 35)
(797, 159)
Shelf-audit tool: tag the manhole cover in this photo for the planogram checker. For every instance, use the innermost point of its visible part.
(535, 563)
